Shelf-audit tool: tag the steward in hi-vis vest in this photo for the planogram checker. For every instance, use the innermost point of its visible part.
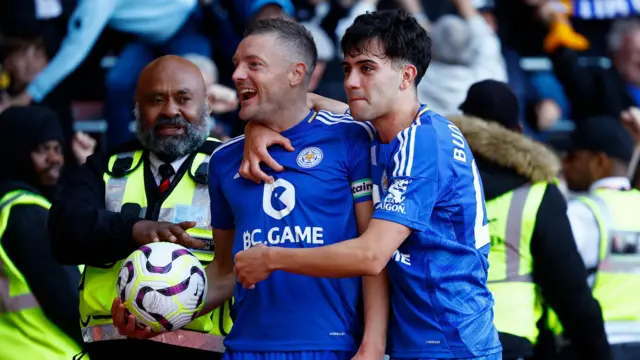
(605, 221)
(533, 262)
(38, 295)
(130, 192)
(139, 192)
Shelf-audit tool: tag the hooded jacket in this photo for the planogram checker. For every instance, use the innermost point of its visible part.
(507, 160)
(25, 239)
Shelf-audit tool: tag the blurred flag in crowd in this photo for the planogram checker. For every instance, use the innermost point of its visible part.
(599, 9)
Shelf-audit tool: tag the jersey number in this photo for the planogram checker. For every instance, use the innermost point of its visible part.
(481, 228)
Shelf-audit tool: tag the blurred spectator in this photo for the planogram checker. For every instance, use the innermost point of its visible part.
(326, 53)
(596, 91)
(222, 98)
(465, 50)
(356, 8)
(164, 26)
(606, 227)
(23, 59)
(37, 19)
(40, 313)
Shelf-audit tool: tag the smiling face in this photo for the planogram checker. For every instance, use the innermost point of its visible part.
(48, 161)
(171, 109)
(261, 76)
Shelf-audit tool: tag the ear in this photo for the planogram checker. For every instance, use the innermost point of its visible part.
(408, 73)
(208, 101)
(602, 163)
(297, 74)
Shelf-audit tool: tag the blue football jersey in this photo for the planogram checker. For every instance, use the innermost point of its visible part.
(427, 180)
(310, 204)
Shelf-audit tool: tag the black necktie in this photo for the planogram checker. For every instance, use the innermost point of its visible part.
(166, 172)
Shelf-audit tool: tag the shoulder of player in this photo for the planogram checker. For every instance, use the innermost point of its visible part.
(417, 136)
(433, 130)
(232, 146)
(415, 146)
(344, 124)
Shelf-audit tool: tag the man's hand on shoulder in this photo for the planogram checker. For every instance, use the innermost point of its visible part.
(145, 232)
(257, 139)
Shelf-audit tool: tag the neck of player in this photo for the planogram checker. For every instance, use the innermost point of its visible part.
(288, 116)
(399, 118)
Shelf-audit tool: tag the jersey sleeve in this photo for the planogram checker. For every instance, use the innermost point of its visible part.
(221, 213)
(359, 161)
(412, 188)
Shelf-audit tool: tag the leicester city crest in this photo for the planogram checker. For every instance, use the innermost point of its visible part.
(309, 157)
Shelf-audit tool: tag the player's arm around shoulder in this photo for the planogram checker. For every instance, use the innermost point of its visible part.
(258, 138)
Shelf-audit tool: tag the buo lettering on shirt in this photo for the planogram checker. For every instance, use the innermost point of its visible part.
(278, 236)
(458, 141)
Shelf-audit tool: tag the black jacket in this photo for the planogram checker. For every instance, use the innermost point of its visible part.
(83, 231)
(592, 91)
(507, 160)
(25, 240)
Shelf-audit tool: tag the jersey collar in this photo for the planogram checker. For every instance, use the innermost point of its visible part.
(301, 126)
(613, 183)
(423, 109)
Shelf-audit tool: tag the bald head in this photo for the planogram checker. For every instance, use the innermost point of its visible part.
(171, 107)
(170, 70)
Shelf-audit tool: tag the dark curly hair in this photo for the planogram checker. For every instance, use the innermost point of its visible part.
(403, 40)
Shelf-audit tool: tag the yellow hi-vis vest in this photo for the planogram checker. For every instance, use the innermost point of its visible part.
(188, 200)
(25, 331)
(617, 280)
(512, 219)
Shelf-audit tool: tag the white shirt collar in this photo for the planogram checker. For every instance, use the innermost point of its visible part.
(614, 182)
(154, 164)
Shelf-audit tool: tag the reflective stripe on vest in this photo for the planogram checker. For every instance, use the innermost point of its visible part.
(25, 330)
(198, 210)
(10, 303)
(187, 200)
(512, 219)
(189, 339)
(617, 280)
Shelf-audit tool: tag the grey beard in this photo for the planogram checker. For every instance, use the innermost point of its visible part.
(171, 148)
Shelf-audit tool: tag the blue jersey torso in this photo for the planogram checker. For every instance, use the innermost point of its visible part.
(310, 204)
(427, 180)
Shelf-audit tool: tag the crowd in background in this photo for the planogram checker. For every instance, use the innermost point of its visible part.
(81, 58)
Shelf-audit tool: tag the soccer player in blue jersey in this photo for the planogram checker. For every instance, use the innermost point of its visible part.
(323, 196)
(429, 227)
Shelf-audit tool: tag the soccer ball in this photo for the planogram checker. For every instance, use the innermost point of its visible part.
(163, 285)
